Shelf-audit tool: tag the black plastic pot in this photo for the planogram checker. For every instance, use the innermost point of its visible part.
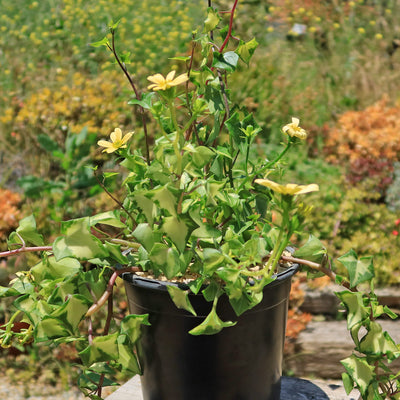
(243, 362)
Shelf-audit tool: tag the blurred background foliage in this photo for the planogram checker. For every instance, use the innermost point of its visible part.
(334, 64)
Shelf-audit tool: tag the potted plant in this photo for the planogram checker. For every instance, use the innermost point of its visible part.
(200, 237)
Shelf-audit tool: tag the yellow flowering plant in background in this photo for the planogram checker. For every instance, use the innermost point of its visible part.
(195, 199)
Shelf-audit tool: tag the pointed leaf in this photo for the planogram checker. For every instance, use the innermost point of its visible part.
(360, 371)
(78, 242)
(357, 312)
(246, 50)
(27, 230)
(212, 20)
(360, 270)
(102, 42)
(181, 298)
(211, 325)
(227, 61)
(176, 230)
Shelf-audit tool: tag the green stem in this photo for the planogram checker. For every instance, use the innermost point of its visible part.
(177, 136)
(268, 268)
(11, 321)
(285, 150)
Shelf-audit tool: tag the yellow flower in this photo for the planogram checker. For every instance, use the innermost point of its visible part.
(379, 36)
(361, 30)
(291, 188)
(294, 129)
(161, 83)
(117, 141)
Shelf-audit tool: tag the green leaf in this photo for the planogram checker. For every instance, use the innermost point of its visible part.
(131, 324)
(173, 265)
(158, 255)
(27, 230)
(313, 250)
(347, 383)
(176, 230)
(47, 143)
(110, 218)
(180, 58)
(78, 242)
(50, 268)
(360, 270)
(102, 42)
(202, 155)
(147, 206)
(211, 325)
(103, 348)
(227, 61)
(212, 259)
(144, 235)
(127, 358)
(145, 101)
(234, 126)
(360, 371)
(357, 312)
(181, 298)
(212, 20)
(165, 199)
(113, 25)
(64, 320)
(245, 50)
(376, 342)
(114, 251)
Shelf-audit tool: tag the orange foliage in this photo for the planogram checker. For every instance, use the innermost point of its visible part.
(370, 133)
(9, 212)
(368, 143)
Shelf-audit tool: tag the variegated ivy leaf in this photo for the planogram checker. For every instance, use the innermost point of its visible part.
(103, 348)
(181, 298)
(176, 230)
(131, 324)
(50, 268)
(360, 270)
(360, 371)
(313, 250)
(357, 312)
(211, 325)
(245, 50)
(212, 20)
(110, 218)
(64, 320)
(78, 242)
(378, 343)
(127, 358)
(27, 231)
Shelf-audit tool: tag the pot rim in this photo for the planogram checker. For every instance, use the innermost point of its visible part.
(155, 284)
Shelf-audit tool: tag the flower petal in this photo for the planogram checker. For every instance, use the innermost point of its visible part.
(157, 78)
(126, 137)
(309, 188)
(116, 135)
(295, 121)
(170, 76)
(180, 79)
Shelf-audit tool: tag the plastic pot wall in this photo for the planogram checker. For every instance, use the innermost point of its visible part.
(243, 362)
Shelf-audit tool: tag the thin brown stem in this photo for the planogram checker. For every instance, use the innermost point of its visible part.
(23, 249)
(112, 48)
(229, 34)
(109, 289)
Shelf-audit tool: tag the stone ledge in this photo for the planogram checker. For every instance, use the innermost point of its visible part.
(321, 346)
(324, 300)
